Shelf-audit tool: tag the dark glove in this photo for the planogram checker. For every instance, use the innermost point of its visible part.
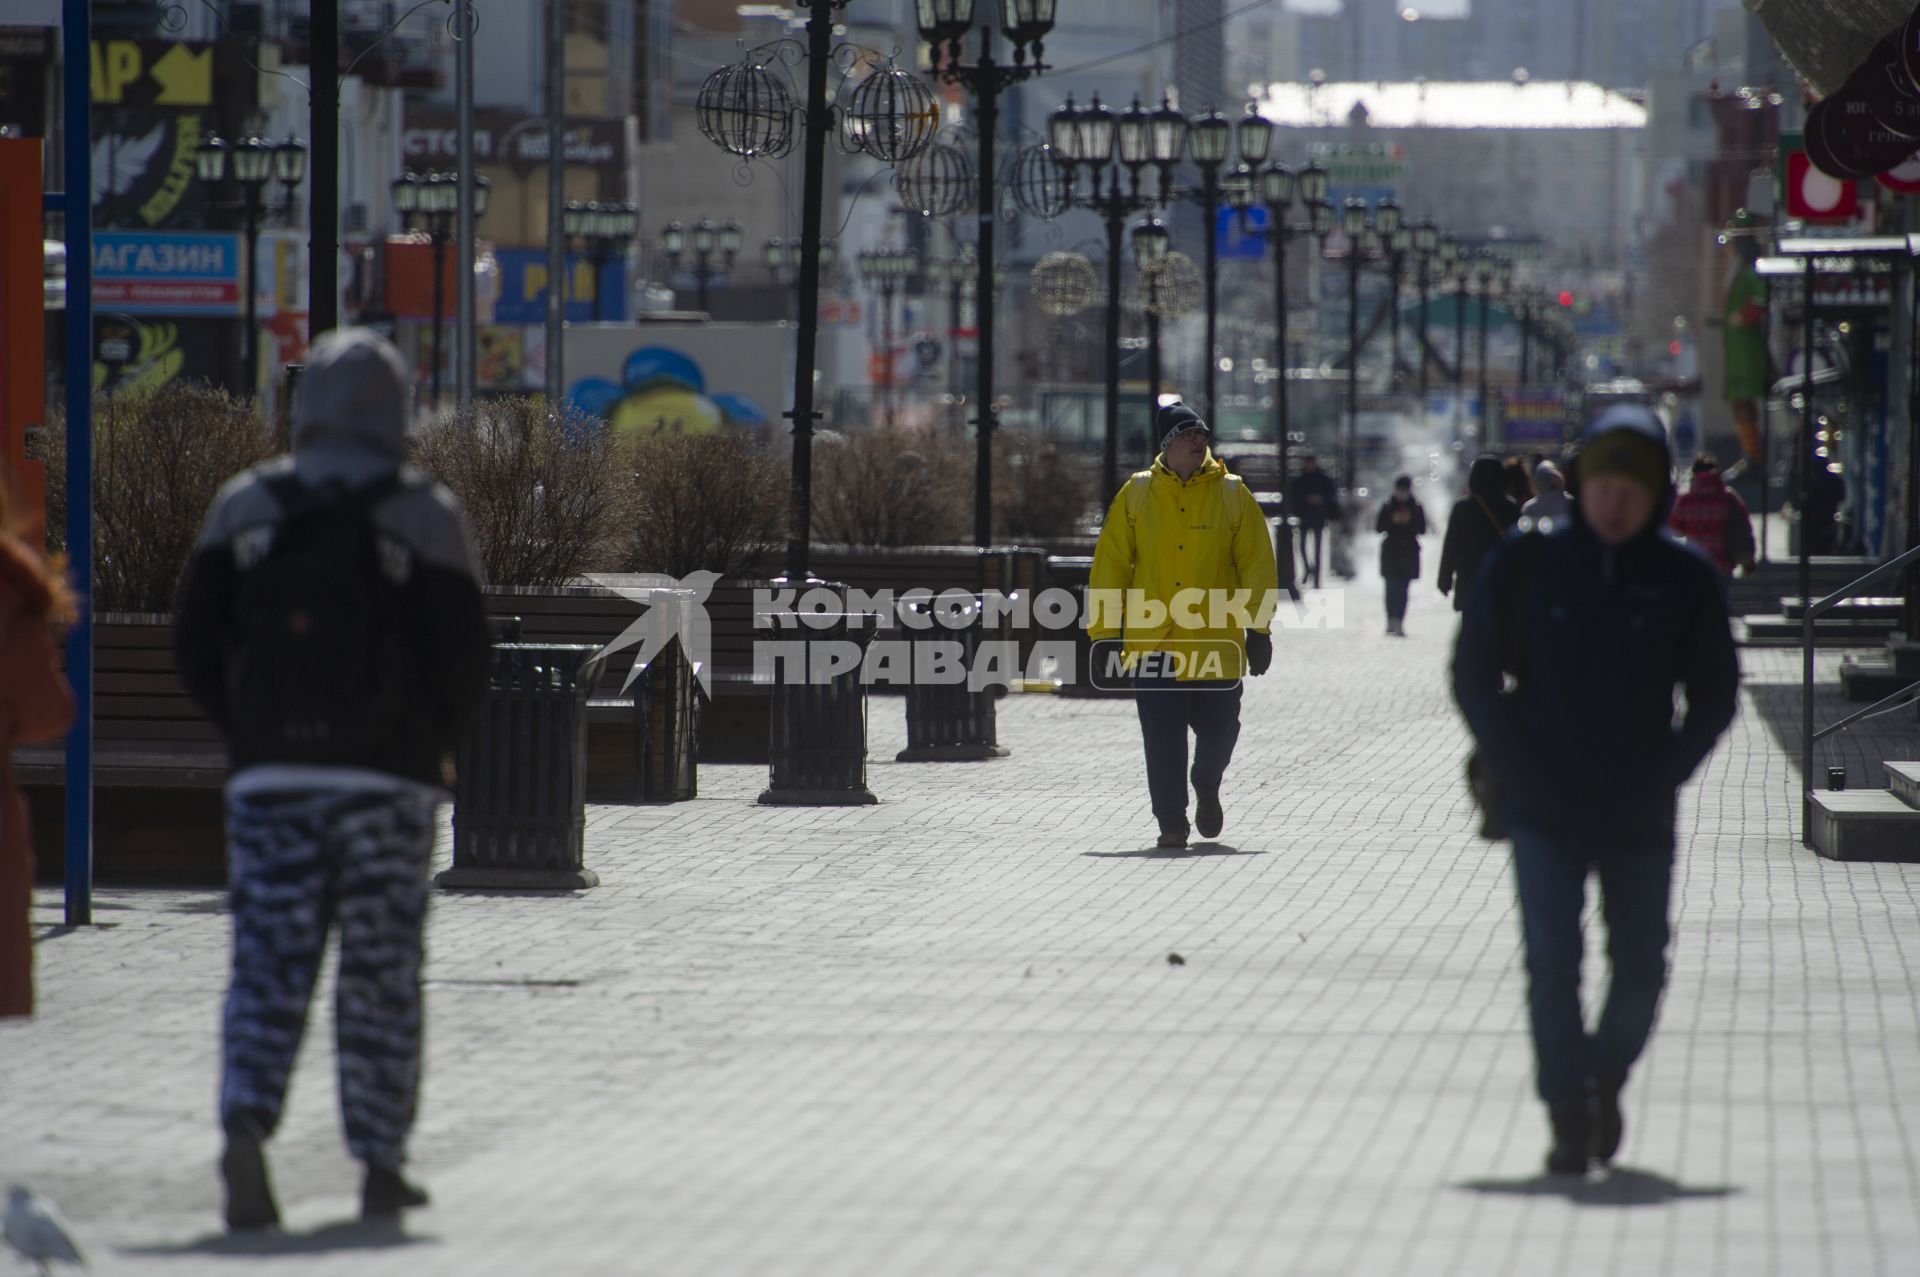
(1104, 670)
(1259, 653)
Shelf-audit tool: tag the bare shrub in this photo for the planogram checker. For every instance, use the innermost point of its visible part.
(1039, 490)
(545, 496)
(891, 487)
(159, 458)
(713, 502)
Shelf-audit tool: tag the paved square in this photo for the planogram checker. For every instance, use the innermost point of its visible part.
(942, 1036)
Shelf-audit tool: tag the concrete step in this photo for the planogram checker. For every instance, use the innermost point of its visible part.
(1829, 631)
(1866, 607)
(1905, 779)
(1867, 679)
(1865, 824)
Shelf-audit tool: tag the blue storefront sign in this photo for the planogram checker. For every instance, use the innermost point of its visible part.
(166, 272)
(523, 288)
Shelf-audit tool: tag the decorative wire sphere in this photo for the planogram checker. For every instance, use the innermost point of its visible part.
(938, 182)
(891, 115)
(1042, 185)
(1171, 286)
(746, 110)
(1064, 284)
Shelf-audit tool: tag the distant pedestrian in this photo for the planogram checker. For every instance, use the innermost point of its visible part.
(1401, 524)
(1598, 624)
(332, 626)
(1552, 507)
(1184, 544)
(1315, 502)
(1712, 516)
(1475, 526)
(1519, 487)
(35, 705)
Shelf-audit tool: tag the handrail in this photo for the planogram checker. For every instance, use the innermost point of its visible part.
(1812, 611)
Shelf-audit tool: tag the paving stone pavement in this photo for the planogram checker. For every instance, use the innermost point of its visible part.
(942, 1035)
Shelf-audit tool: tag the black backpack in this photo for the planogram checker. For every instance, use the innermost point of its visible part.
(317, 670)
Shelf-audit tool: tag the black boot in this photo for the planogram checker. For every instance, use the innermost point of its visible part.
(243, 1165)
(1572, 1137)
(1608, 1125)
(1207, 816)
(387, 1193)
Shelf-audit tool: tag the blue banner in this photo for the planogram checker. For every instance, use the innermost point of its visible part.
(166, 273)
(523, 288)
(1238, 240)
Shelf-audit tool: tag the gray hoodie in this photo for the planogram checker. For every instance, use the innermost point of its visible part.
(350, 429)
(1553, 505)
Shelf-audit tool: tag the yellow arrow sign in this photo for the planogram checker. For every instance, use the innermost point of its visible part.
(185, 78)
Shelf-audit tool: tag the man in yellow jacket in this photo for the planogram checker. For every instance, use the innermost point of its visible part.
(1181, 599)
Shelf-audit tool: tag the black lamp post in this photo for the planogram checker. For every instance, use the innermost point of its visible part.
(1356, 225)
(435, 199)
(605, 229)
(1426, 246)
(1210, 138)
(1150, 245)
(1459, 267)
(1395, 239)
(1107, 146)
(1529, 298)
(1275, 187)
(707, 239)
(887, 269)
(944, 25)
(957, 275)
(253, 162)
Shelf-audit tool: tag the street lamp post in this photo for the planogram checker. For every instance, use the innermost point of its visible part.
(1276, 187)
(944, 25)
(886, 269)
(1107, 145)
(434, 198)
(1426, 244)
(604, 229)
(706, 238)
(1528, 297)
(1355, 223)
(1210, 137)
(253, 162)
(1150, 245)
(956, 276)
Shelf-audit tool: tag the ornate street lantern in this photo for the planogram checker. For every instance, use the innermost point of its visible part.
(745, 109)
(938, 182)
(1255, 137)
(1210, 137)
(891, 115)
(1150, 243)
(1042, 185)
(1277, 184)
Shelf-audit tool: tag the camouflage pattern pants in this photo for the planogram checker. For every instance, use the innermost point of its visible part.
(302, 862)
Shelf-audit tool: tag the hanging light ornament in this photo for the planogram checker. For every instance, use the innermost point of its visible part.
(1042, 184)
(746, 110)
(890, 115)
(1175, 286)
(1064, 284)
(938, 182)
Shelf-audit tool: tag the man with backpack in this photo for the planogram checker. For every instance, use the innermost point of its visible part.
(332, 626)
(1182, 594)
(1570, 652)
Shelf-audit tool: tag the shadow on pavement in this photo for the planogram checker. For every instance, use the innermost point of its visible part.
(1177, 853)
(353, 1234)
(1621, 1186)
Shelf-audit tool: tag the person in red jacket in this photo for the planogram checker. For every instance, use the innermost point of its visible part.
(35, 705)
(1712, 516)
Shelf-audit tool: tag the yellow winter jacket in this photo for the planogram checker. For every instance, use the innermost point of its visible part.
(1179, 569)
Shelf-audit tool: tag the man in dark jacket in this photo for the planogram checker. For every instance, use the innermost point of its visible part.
(1478, 522)
(1313, 500)
(1598, 622)
(332, 626)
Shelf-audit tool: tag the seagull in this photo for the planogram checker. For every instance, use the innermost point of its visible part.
(35, 1229)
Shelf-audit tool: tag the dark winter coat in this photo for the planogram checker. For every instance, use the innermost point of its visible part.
(1313, 499)
(1585, 749)
(1478, 522)
(1401, 525)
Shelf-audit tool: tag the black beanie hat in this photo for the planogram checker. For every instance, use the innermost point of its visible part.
(1175, 417)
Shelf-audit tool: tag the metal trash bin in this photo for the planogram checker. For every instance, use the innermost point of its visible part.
(519, 805)
(666, 725)
(950, 722)
(817, 747)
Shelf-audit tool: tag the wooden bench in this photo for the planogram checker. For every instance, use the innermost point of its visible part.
(159, 765)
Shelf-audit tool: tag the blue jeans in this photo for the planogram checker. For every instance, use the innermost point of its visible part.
(1168, 710)
(1551, 875)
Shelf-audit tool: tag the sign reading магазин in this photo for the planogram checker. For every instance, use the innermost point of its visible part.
(508, 137)
(167, 272)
